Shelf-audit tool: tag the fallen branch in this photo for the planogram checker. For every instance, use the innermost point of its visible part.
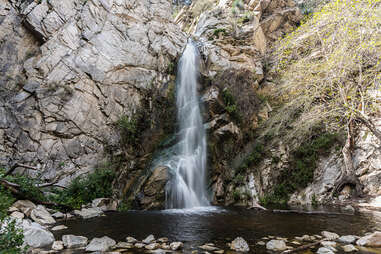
(16, 165)
(303, 247)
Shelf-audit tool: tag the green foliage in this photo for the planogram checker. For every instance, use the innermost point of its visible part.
(238, 180)
(128, 127)
(125, 206)
(83, 190)
(301, 171)
(256, 156)
(6, 200)
(236, 195)
(314, 201)
(231, 105)
(11, 238)
(171, 69)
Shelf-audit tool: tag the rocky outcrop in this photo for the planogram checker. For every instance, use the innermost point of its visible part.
(70, 70)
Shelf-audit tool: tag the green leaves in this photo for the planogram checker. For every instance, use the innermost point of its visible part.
(11, 237)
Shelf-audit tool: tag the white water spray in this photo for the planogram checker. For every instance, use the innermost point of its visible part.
(187, 188)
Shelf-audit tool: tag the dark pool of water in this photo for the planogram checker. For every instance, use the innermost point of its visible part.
(219, 225)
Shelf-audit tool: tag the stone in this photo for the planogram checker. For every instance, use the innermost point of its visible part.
(162, 240)
(348, 209)
(305, 238)
(239, 244)
(324, 250)
(219, 251)
(58, 245)
(328, 244)
(176, 245)
(73, 241)
(37, 236)
(123, 245)
(329, 235)
(104, 243)
(276, 245)
(347, 239)
(149, 239)
(262, 243)
(24, 206)
(139, 245)
(349, 248)
(12, 209)
(131, 239)
(371, 240)
(42, 216)
(208, 247)
(58, 215)
(87, 213)
(59, 227)
(105, 204)
(152, 246)
(17, 215)
(154, 188)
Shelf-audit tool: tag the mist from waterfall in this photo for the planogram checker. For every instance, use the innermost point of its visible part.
(187, 161)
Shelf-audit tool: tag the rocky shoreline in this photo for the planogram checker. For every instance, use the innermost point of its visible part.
(38, 223)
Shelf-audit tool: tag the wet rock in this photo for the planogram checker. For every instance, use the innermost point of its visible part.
(58, 215)
(349, 248)
(73, 241)
(276, 245)
(162, 240)
(239, 244)
(12, 209)
(329, 235)
(17, 215)
(59, 227)
(262, 243)
(154, 188)
(105, 204)
(58, 245)
(372, 240)
(324, 250)
(305, 238)
(42, 216)
(37, 236)
(165, 246)
(139, 245)
(149, 239)
(347, 239)
(123, 245)
(176, 245)
(208, 247)
(328, 244)
(104, 243)
(131, 239)
(24, 206)
(152, 246)
(87, 213)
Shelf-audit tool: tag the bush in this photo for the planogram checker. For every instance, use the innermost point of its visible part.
(231, 105)
(11, 237)
(83, 190)
(6, 200)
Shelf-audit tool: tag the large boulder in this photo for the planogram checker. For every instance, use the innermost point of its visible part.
(276, 245)
(37, 236)
(24, 206)
(100, 244)
(154, 188)
(42, 216)
(239, 244)
(371, 240)
(87, 213)
(73, 241)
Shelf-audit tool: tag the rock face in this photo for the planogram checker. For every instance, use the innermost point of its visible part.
(101, 244)
(154, 189)
(72, 71)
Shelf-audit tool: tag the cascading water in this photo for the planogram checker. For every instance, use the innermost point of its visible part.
(187, 162)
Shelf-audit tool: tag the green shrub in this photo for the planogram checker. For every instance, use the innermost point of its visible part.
(236, 195)
(11, 237)
(231, 105)
(83, 190)
(6, 200)
(128, 127)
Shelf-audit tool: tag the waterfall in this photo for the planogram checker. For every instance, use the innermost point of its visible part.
(187, 163)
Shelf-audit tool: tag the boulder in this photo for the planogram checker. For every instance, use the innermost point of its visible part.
(152, 246)
(24, 206)
(276, 245)
(73, 241)
(349, 248)
(59, 227)
(87, 213)
(372, 240)
(328, 244)
(58, 245)
(105, 204)
(347, 239)
(37, 236)
(239, 244)
(162, 240)
(176, 245)
(42, 216)
(131, 239)
(58, 215)
(139, 245)
(324, 250)
(149, 239)
(17, 215)
(329, 235)
(101, 244)
(123, 245)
